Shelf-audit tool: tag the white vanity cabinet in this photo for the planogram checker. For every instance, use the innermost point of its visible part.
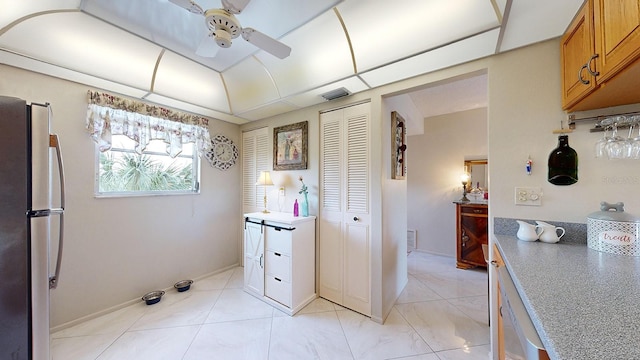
(279, 259)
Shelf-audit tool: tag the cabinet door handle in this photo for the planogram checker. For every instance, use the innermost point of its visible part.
(586, 82)
(355, 218)
(261, 256)
(593, 73)
(276, 254)
(494, 263)
(277, 279)
(477, 211)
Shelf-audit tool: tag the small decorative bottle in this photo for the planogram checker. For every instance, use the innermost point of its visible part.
(295, 208)
(563, 163)
(305, 206)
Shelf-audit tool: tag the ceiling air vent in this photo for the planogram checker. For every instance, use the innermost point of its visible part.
(336, 94)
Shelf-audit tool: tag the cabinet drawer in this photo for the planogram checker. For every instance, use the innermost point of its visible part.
(474, 210)
(279, 240)
(278, 265)
(278, 289)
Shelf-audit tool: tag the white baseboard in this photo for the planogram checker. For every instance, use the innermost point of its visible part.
(124, 304)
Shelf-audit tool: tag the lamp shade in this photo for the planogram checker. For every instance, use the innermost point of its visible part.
(264, 178)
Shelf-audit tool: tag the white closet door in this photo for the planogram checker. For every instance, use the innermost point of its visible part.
(254, 258)
(255, 158)
(345, 251)
(331, 217)
(357, 219)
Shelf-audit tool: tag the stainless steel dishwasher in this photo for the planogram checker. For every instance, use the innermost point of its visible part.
(521, 340)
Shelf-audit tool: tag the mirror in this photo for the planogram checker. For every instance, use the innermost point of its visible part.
(478, 172)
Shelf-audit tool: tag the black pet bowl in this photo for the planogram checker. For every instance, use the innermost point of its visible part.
(183, 285)
(153, 297)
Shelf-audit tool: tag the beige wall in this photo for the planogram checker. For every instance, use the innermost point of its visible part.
(110, 260)
(524, 109)
(118, 249)
(388, 228)
(436, 163)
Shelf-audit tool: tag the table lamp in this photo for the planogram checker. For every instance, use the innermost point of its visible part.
(464, 179)
(265, 179)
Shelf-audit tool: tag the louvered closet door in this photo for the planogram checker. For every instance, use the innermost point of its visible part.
(357, 220)
(345, 251)
(331, 216)
(255, 158)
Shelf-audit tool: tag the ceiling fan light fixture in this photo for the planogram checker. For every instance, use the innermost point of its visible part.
(223, 38)
(224, 26)
(220, 19)
(336, 94)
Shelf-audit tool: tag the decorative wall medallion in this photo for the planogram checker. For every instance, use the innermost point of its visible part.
(223, 153)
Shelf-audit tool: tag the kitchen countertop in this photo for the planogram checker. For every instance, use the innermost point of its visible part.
(583, 303)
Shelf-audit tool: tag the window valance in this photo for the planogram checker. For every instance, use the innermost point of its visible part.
(109, 115)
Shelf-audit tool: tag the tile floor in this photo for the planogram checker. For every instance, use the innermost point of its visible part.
(441, 314)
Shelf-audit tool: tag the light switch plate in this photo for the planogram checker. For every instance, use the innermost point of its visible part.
(529, 196)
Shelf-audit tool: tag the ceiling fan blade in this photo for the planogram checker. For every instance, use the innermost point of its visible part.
(266, 43)
(207, 47)
(234, 6)
(189, 5)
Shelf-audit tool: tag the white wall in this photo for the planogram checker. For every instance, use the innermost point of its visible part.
(118, 249)
(388, 267)
(524, 110)
(394, 210)
(436, 161)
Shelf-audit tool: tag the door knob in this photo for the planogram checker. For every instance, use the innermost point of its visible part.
(355, 218)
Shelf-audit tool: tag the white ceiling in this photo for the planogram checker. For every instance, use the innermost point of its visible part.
(146, 48)
(449, 97)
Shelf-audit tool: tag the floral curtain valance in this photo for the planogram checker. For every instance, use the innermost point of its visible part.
(109, 115)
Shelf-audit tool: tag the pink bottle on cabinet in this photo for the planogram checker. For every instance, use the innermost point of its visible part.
(295, 208)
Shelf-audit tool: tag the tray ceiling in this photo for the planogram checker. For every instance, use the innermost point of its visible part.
(147, 48)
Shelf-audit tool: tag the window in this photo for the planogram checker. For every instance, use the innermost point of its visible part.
(144, 149)
(122, 171)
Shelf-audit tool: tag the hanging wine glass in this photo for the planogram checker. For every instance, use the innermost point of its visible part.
(601, 144)
(627, 144)
(635, 147)
(614, 144)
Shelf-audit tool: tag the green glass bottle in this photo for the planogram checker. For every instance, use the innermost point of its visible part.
(563, 163)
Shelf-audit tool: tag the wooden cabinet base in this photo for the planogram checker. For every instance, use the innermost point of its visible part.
(465, 266)
(471, 234)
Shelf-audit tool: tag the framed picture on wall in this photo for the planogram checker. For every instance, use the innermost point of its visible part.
(398, 146)
(290, 146)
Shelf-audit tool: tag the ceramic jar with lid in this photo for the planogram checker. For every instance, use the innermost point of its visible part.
(613, 230)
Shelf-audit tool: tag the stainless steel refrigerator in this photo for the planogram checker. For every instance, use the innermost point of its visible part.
(31, 227)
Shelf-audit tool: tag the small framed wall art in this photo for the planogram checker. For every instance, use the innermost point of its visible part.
(398, 146)
(290, 146)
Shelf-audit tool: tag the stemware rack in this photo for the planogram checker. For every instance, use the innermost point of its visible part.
(601, 121)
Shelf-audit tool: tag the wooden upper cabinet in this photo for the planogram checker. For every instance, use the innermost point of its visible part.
(600, 56)
(617, 36)
(577, 53)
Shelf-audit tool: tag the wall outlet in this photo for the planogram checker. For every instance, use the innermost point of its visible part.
(530, 196)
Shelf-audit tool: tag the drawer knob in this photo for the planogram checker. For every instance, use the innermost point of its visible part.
(355, 218)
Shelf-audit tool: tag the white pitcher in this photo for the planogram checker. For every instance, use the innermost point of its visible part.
(549, 232)
(527, 232)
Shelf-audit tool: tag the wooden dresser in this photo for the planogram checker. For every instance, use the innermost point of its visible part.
(471, 234)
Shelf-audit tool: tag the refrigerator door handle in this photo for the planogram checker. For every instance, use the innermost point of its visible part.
(55, 142)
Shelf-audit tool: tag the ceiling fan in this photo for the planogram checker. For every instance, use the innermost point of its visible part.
(224, 27)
